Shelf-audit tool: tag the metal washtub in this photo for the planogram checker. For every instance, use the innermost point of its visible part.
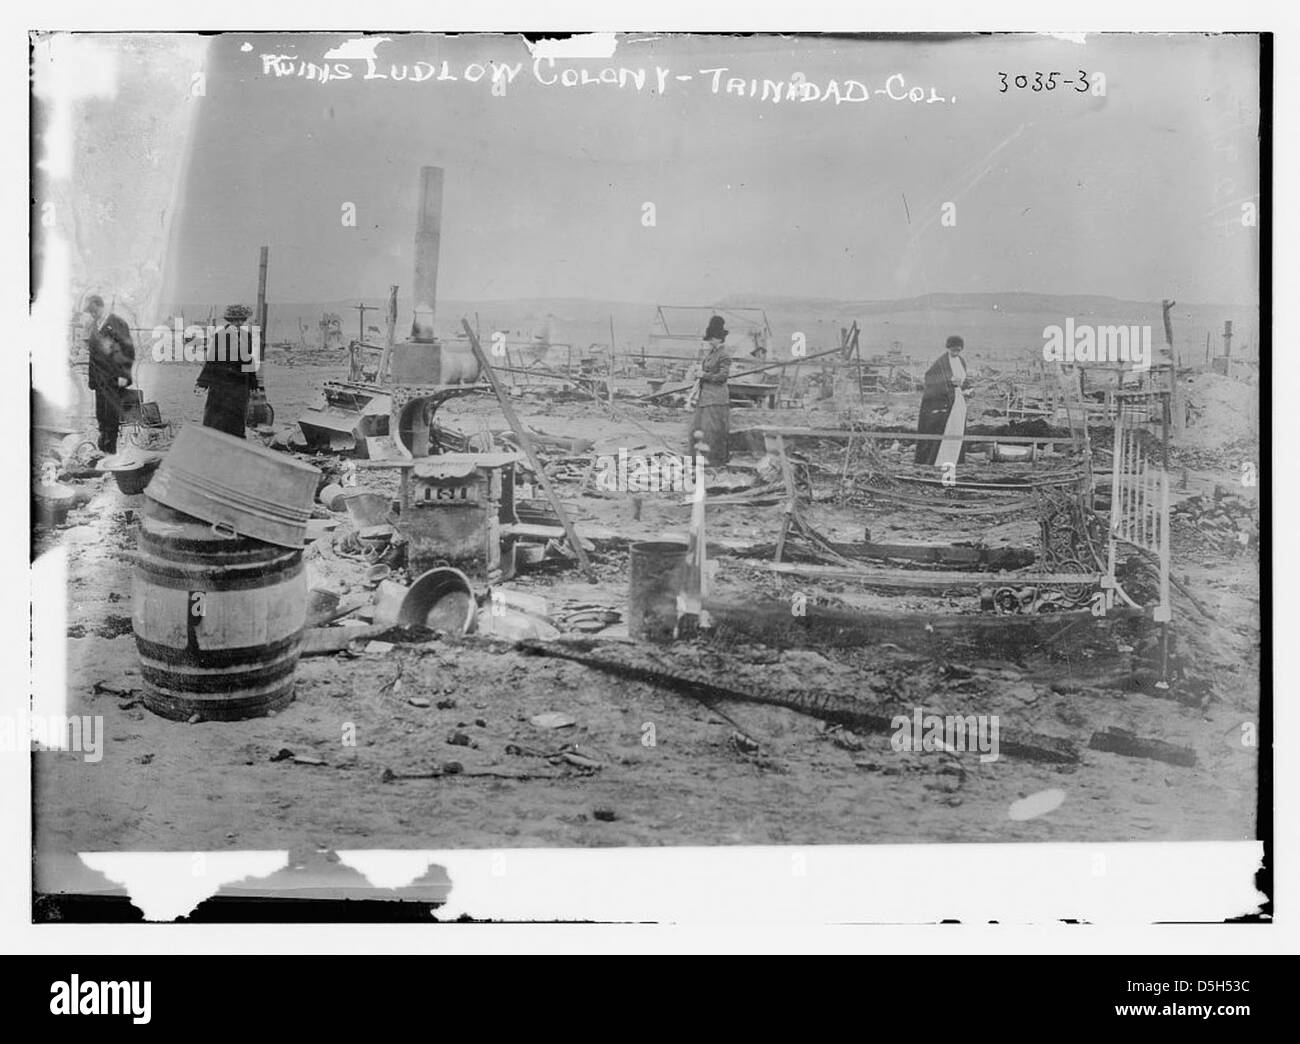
(229, 482)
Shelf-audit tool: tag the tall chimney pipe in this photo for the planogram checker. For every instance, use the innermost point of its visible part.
(428, 239)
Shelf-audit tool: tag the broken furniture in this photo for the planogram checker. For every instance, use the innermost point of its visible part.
(1067, 567)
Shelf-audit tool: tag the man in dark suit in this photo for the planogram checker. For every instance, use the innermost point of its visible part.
(943, 381)
(112, 356)
(225, 375)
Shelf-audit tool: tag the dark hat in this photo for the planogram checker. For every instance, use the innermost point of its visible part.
(955, 342)
(94, 299)
(717, 330)
(237, 313)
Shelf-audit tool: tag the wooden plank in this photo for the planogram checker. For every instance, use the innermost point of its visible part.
(988, 558)
(989, 635)
(526, 442)
(827, 706)
(996, 507)
(991, 557)
(1115, 740)
(908, 436)
(931, 578)
(535, 531)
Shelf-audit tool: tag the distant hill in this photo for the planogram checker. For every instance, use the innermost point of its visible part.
(1016, 302)
(1000, 325)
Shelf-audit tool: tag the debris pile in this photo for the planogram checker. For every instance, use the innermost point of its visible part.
(1220, 524)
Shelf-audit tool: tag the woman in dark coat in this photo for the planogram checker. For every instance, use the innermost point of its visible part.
(943, 380)
(225, 377)
(713, 407)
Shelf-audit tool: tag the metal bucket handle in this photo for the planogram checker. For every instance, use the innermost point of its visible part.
(224, 531)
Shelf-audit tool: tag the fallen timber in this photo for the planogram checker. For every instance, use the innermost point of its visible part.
(999, 507)
(826, 706)
(913, 578)
(989, 560)
(1115, 740)
(1010, 637)
(907, 436)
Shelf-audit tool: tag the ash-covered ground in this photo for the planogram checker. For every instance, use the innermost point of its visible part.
(643, 764)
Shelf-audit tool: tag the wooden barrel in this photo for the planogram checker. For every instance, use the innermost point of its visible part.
(218, 619)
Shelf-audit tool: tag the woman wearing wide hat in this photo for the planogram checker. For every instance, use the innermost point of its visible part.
(711, 423)
(225, 375)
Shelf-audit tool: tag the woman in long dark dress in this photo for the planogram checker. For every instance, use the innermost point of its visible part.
(713, 407)
(942, 381)
(226, 379)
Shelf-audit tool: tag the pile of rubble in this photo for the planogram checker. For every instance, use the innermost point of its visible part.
(1223, 524)
(1226, 457)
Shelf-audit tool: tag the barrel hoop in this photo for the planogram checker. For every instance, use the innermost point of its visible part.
(235, 656)
(207, 543)
(211, 546)
(180, 707)
(221, 684)
(227, 578)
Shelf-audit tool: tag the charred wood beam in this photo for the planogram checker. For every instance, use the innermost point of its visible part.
(919, 578)
(1115, 740)
(783, 624)
(826, 706)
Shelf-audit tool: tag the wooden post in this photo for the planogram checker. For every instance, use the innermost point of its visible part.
(1179, 414)
(261, 292)
(361, 321)
(390, 335)
(258, 411)
(526, 441)
(857, 356)
(610, 377)
(787, 476)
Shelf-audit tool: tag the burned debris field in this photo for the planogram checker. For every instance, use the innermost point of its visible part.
(548, 505)
(568, 732)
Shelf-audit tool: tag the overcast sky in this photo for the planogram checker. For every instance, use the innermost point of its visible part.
(1135, 194)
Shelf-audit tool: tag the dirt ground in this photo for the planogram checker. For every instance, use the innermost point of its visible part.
(164, 785)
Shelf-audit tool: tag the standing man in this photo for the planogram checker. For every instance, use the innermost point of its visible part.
(942, 402)
(711, 424)
(112, 355)
(224, 374)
